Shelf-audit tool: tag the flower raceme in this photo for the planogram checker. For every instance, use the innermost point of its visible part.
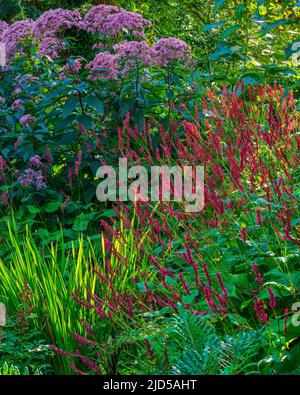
(232, 142)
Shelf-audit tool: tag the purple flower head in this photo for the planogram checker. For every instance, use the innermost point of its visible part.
(103, 65)
(95, 19)
(134, 50)
(54, 22)
(32, 177)
(27, 119)
(3, 26)
(50, 47)
(16, 106)
(35, 161)
(170, 49)
(126, 21)
(13, 35)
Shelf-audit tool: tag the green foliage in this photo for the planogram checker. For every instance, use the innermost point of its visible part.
(195, 348)
(8, 9)
(42, 280)
(115, 303)
(22, 348)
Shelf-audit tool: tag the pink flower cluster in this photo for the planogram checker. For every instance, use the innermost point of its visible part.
(103, 65)
(16, 106)
(128, 21)
(50, 47)
(137, 50)
(27, 119)
(96, 18)
(103, 19)
(161, 54)
(166, 50)
(35, 161)
(112, 20)
(13, 35)
(32, 177)
(53, 22)
(3, 26)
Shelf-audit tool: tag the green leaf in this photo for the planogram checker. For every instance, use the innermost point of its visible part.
(218, 4)
(51, 207)
(229, 31)
(267, 28)
(85, 120)
(249, 81)
(188, 299)
(33, 209)
(222, 50)
(139, 118)
(69, 106)
(95, 102)
(81, 223)
(211, 26)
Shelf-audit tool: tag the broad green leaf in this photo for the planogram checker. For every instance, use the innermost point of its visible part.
(212, 26)
(95, 102)
(69, 106)
(85, 120)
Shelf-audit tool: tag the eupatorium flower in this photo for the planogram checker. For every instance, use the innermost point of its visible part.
(170, 49)
(32, 177)
(13, 35)
(94, 20)
(54, 22)
(103, 65)
(137, 50)
(16, 106)
(35, 160)
(27, 119)
(3, 26)
(126, 21)
(50, 47)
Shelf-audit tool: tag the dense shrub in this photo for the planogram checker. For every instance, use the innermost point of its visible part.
(60, 111)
